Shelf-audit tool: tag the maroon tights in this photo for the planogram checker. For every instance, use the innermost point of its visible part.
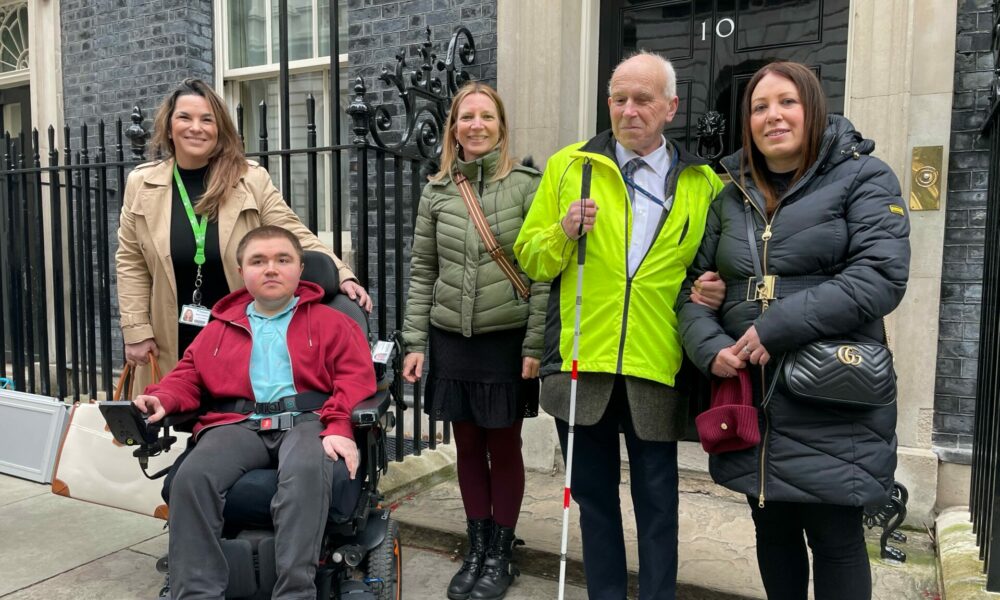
(490, 471)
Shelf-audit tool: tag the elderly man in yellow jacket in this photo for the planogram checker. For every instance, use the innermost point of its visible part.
(644, 222)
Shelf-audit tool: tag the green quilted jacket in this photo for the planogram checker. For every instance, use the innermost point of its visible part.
(454, 283)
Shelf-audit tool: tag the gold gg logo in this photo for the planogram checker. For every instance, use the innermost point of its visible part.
(849, 355)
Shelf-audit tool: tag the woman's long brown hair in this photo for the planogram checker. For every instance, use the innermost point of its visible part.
(449, 152)
(226, 164)
(814, 123)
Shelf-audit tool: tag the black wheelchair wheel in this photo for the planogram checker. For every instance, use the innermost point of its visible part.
(384, 566)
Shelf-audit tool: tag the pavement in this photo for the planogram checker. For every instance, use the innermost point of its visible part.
(717, 549)
(54, 547)
(57, 548)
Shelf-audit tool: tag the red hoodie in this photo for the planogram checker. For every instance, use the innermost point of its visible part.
(328, 351)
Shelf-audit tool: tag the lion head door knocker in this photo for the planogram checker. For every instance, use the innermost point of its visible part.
(711, 129)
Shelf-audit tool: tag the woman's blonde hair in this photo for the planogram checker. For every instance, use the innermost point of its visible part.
(450, 149)
(226, 164)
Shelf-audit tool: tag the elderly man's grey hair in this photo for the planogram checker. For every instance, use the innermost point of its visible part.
(670, 89)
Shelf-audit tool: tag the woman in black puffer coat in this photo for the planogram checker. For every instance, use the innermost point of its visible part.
(828, 220)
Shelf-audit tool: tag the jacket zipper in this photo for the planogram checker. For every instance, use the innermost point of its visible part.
(621, 342)
(765, 237)
(671, 186)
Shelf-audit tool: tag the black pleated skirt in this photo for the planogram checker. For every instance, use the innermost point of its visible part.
(478, 379)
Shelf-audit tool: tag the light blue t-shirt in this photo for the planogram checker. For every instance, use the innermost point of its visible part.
(270, 364)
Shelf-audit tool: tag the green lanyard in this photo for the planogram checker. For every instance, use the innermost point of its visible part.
(198, 229)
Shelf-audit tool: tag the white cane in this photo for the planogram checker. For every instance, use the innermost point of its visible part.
(581, 255)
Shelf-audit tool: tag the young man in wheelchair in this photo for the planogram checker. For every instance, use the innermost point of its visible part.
(267, 342)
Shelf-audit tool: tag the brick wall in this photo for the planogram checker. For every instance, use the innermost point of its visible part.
(377, 31)
(961, 278)
(117, 54)
(121, 53)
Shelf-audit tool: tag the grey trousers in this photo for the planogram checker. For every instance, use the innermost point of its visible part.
(198, 569)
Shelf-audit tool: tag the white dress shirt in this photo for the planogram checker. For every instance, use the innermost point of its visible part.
(646, 214)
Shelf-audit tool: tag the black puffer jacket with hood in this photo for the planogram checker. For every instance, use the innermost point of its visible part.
(844, 220)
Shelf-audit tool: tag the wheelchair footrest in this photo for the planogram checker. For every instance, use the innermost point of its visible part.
(267, 571)
(251, 570)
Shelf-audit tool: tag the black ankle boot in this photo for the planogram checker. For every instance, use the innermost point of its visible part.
(498, 572)
(480, 533)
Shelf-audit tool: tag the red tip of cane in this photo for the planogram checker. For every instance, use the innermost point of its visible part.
(566, 498)
(573, 374)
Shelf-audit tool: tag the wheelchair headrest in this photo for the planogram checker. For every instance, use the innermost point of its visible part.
(321, 270)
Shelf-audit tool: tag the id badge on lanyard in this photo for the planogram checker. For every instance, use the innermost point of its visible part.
(194, 314)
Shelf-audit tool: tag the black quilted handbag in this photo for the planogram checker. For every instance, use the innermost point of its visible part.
(840, 374)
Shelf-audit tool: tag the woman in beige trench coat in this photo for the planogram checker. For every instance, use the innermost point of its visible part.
(157, 238)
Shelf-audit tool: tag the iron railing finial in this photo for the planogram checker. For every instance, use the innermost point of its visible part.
(136, 134)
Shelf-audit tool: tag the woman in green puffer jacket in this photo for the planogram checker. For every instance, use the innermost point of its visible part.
(485, 340)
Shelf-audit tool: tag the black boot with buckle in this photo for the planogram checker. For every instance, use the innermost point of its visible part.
(480, 533)
(498, 572)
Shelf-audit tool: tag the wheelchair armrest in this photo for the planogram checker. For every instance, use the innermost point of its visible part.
(371, 410)
(175, 419)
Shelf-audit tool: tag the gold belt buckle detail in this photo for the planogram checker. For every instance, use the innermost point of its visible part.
(761, 288)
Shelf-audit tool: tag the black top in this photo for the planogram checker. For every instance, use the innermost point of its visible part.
(182, 249)
(780, 181)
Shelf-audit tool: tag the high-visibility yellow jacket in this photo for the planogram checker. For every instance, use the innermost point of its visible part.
(628, 325)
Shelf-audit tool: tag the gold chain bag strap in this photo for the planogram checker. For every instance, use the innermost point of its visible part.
(493, 248)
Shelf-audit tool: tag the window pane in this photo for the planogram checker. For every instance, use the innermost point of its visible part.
(324, 27)
(13, 38)
(251, 93)
(247, 33)
(299, 87)
(299, 30)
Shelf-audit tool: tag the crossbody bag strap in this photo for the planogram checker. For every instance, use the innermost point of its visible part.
(758, 271)
(493, 248)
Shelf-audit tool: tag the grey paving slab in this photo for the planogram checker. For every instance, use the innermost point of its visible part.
(717, 541)
(155, 547)
(123, 575)
(426, 575)
(13, 489)
(46, 535)
(716, 535)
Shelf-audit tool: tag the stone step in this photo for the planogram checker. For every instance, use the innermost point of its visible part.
(717, 541)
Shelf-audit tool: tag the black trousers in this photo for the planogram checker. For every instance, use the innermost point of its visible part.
(198, 567)
(595, 485)
(835, 534)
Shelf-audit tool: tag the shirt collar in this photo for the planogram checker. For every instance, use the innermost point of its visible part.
(252, 312)
(658, 160)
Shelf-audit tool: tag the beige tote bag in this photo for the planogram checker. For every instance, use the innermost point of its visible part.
(93, 467)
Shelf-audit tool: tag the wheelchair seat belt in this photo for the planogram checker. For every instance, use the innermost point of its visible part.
(301, 402)
(277, 415)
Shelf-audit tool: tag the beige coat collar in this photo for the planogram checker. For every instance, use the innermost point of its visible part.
(154, 202)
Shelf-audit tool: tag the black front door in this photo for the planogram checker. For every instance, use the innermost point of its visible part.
(15, 118)
(717, 45)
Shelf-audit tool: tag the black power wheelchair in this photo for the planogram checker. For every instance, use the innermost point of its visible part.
(360, 556)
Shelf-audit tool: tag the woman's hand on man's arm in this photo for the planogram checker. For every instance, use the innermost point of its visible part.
(709, 290)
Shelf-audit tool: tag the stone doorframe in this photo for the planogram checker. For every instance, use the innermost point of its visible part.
(898, 92)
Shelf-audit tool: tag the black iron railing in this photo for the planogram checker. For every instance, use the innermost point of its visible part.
(58, 223)
(984, 502)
